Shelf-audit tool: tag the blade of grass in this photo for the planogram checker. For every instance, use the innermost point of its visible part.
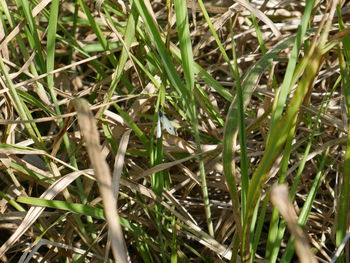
(259, 227)
(261, 16)
(12, 202)
(62, 205)
(288, 78)
(188, 67)
(344, 197)
(280, 199)
(90, 134)
(287, 257)
(51, 48)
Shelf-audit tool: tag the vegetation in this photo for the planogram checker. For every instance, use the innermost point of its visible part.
(174, 131)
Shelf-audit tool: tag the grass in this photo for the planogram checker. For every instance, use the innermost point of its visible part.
(257, 171)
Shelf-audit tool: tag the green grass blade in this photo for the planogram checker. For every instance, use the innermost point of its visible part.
(51, 48)
(288, 78)
(344, 198)
(259, 227)
(188, 68)
(62, 205)
(165, 57)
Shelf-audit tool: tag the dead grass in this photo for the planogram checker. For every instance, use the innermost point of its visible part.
(43, 152)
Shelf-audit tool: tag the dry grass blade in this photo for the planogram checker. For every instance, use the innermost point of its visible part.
(164, 166)
(280, 199)
(35, 212)
(340, 249)
(103, 176)
(22, 151)
(119, 161)
(261, 16)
